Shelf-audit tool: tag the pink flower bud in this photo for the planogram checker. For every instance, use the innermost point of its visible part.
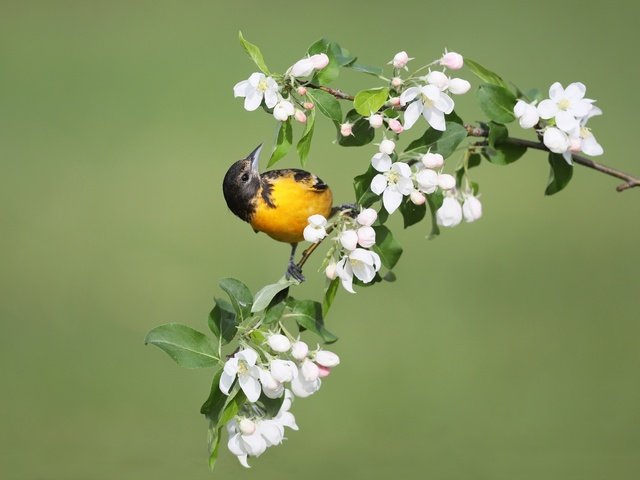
(302, 91)
(400, 60)
(394, 101)
(396, 82)
(452, 60)
(346, 129)
(417, 197)
(308, 105)
(433, 160)
(247, 427)
(395, 126)
(300, 116)
(366, 237)
(376, 120)
(366, 217)
(323, 371)
(319, 60)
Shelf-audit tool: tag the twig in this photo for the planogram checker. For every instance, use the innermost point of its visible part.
(339, 94)
(630, 180)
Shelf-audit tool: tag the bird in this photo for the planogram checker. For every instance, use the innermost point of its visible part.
(276, 202)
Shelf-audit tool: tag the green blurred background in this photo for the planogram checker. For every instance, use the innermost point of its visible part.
(507, 349)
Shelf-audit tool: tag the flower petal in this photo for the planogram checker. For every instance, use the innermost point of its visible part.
(378, 184)
(270, 98)
(253, 100)
(556, 92)
(435, 118)
(408, 95)
(226, 381)
(235, 446)
(250, 386)
(547, 109)
(566, 121)
(391, 199)
(240, 88)
(575, 91)
(412, 113)
(381, 162)
(249, 355)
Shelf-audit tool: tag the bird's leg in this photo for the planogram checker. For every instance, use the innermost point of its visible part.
(293, 270)
(348, 209)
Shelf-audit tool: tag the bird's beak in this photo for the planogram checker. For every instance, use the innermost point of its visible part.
(255, 157)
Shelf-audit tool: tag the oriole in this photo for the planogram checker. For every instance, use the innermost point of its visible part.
(276, 202)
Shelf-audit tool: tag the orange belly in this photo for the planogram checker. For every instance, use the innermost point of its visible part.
(294, 202)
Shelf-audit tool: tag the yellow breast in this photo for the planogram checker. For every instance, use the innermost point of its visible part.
(283, 208)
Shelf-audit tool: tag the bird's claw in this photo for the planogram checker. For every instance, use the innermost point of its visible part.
(295, 272)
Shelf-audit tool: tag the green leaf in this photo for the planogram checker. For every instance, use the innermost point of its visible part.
(366, 69)
(435, 202)
(387, 247)
(265, 294)
(304, 145)
(308, 315)
(283, 142)
(484, 74)
(412, 213)
(337, 57)
(444, 143)
(274, 313)
(361, 186)
(255, 54)
(188, 347)
(326, 103)
(240, 296)
(496, 102)
(370, 101)
(230, 409)
(222, 321)
(559, 175)
(362, 132)
(214, 404)
(329, 295)
(498, 151)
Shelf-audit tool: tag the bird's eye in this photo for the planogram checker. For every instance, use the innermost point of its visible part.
(245, 177)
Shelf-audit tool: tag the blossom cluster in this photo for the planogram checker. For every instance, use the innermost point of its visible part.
(350, 255)
(285, 368)
(561, 120)
(259, 88)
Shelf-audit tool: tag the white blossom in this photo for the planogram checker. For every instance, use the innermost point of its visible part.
(330, 270)
(376, 120)
(457, 86)
(271, 387)
(432, 160)
(254, 89)
(400, 60)
(526, 113)
(428, 101)
(567, 106)
(349, 239)
(427, 180)
(471, 208)
(393, 181)
(243, 366)
(326, 358)
(387, 146)
(315, 231)
(346, 129)
(364, 264)
(244, 445)
(283, 110)
(446, 181)
(367, 217)
(366, 236)
(279, 343)
(556, 140)
(302, 68)
(299, 350)
(417, 197)
(303, 386)
(283, 370)
(450, 213)
(319, 60)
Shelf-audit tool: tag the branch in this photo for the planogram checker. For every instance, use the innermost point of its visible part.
(339, 94)
(629, 180)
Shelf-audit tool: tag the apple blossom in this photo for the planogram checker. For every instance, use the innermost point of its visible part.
(367, 217)
(326, 358)
(300, 116)
(302, 68)
(450, 213)
(376, 120)
(393, 181)
(279, 343)
(302, 91)
(349, 239)
(319, 60)
(400, 60)
(308, 105)
(452, 60)
(254, 89)
(432, 160)
(283, 110)
(417, 197)
(346, 129)
(364, 264)
(427, 180)
(271, 387)
(526, 113)
(457, 86)
(303, 388)
(446, 181)
(395, 126)
(387, 146)
(243, 366)
(566, 106)
(330, 270)
(282, 370)
(471, 208)
(366, 237)
(315, 231)
(556, 140)
(428, 101)
(244, 445)
(396, 82)
(299, 350)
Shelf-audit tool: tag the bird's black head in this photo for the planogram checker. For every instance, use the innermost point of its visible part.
(241, 184)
